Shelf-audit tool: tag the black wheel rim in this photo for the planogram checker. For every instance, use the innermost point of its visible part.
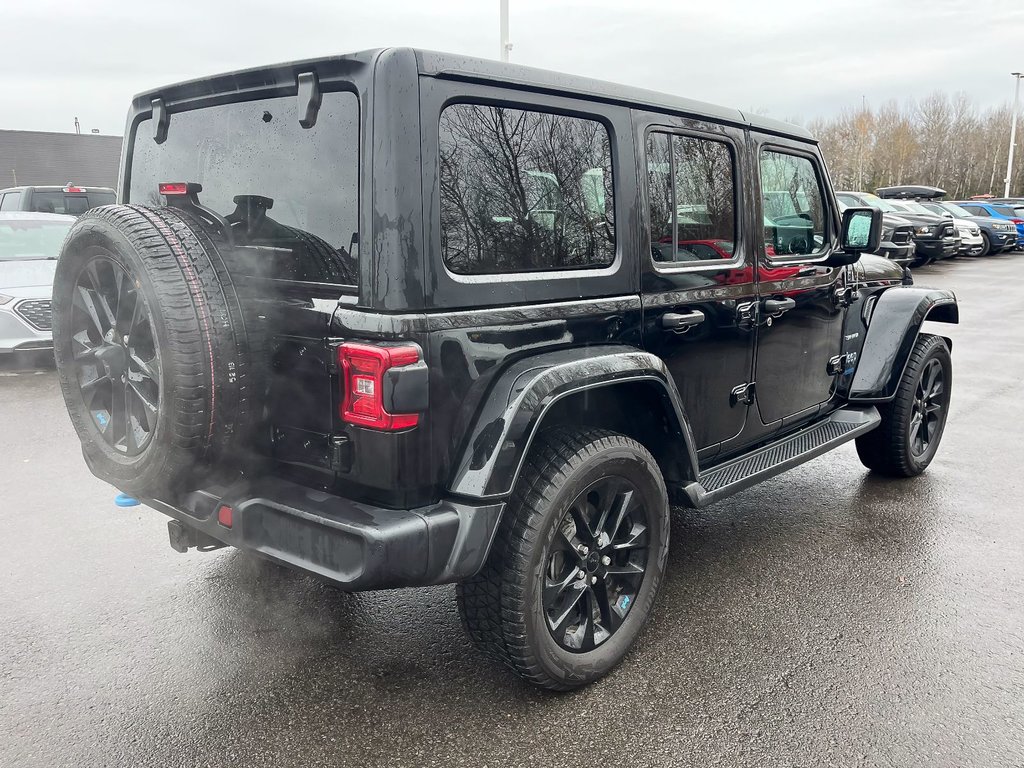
(595, 564)
(929, 402)
(115, 355)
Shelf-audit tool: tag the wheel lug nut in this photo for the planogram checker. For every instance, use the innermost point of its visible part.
(584, 550)
(593, 579)
(606, 560)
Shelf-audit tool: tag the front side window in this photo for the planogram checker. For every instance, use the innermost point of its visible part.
(977, 210)
(794, 213)
(290, 194)
(524, 191)
(691, 199)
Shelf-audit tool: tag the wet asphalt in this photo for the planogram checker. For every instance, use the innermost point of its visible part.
(825, 617)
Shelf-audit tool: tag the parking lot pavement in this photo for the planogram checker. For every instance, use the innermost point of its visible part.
(826, 617)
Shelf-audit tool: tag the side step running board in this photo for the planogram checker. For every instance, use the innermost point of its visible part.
(733, 476)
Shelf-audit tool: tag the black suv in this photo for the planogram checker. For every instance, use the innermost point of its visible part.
(401, 318)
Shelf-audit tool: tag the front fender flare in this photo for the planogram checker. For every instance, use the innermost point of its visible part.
(503, 430)
(892, 331)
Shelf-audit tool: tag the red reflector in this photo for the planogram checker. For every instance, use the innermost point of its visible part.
(362, 384)
(224, 515)
(174, 188)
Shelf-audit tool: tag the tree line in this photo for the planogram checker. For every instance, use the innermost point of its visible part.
(941, 140)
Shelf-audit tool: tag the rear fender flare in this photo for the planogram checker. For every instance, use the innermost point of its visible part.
(892, 330)
(504, 429)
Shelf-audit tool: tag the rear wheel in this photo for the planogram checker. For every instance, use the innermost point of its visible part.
(577, 561)
(912, 424)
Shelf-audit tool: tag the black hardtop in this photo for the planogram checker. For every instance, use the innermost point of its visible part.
(280, 79)
(55, 188)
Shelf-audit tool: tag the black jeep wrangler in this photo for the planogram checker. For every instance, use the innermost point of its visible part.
(402, 318)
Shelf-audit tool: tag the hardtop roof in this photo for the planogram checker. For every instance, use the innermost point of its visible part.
(456, 66)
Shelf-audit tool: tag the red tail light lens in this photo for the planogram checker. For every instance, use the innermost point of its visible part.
(70, 188)
(224, 516)
(362, 384)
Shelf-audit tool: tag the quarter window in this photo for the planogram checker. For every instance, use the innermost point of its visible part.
(794, 213)
(524, 191)
(11, 201)
(691, 199)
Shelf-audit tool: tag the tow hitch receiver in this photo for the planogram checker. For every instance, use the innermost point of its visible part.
(182, 537)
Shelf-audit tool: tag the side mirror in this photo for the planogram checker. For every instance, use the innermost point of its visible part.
(862, 230)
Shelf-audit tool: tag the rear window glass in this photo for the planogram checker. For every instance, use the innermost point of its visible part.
(290, 194)
(524, 191)
(73, 204)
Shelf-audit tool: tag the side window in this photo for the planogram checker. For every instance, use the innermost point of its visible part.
(691, 199)
(794, 213)
(976, 210)
(524, 191)
(11, 201)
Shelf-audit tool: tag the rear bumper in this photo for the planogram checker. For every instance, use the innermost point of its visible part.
(355, 546)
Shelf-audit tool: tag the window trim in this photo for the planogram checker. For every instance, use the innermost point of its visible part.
(818, 165)
(536, 274)
(738, 259)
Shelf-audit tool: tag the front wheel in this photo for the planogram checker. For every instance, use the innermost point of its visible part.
(577, 560)
(986, 247)
(906, 441)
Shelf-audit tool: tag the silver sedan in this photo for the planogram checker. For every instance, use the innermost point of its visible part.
(29, 246)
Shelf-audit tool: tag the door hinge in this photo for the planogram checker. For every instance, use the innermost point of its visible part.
(843, 297)
(744, 394)
(746, 315)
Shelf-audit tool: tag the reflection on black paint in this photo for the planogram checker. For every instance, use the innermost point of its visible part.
(524, 191)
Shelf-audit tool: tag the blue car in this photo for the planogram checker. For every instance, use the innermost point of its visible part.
(1007, 211)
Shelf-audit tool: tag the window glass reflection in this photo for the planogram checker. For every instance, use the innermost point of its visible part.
(524, 191)
(794, 219)
(691, 197)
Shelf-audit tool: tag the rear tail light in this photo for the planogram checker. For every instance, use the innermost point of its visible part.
(224, 516)
(1017, 221)
(71, 188)
(363, 368)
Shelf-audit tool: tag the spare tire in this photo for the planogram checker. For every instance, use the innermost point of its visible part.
(151, 349)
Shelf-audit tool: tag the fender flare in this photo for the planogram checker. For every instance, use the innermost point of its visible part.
(892, 330)
(507, 422)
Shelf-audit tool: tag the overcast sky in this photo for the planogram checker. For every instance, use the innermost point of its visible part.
(792, 59)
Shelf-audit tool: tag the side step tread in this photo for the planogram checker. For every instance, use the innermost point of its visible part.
(737, 474)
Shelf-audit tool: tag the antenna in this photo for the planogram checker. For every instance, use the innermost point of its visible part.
(78, 128)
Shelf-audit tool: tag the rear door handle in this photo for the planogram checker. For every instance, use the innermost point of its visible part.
(682, 321)
(774, 306)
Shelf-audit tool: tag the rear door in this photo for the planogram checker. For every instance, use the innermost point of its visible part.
(801, 299)
(697, 278)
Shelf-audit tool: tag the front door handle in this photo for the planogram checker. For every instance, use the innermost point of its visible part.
(776, 306)
(682, 321)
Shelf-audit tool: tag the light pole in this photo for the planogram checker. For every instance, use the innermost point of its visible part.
(1013, 133)
(506, 46)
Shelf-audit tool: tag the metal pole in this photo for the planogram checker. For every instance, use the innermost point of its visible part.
(505, 45)
(1013, 134)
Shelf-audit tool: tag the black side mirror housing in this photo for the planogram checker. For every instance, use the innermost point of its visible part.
(861, 233)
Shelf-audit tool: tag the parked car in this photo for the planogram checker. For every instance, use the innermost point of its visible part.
(282, 358)
(971, 241)
(69, 199)
(1001, 212)
(997, 235)
(934, 236)
(897, 232)
(29, 245)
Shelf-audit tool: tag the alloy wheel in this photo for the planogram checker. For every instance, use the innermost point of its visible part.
(927, 411)
(596, 564)
(115, 355)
